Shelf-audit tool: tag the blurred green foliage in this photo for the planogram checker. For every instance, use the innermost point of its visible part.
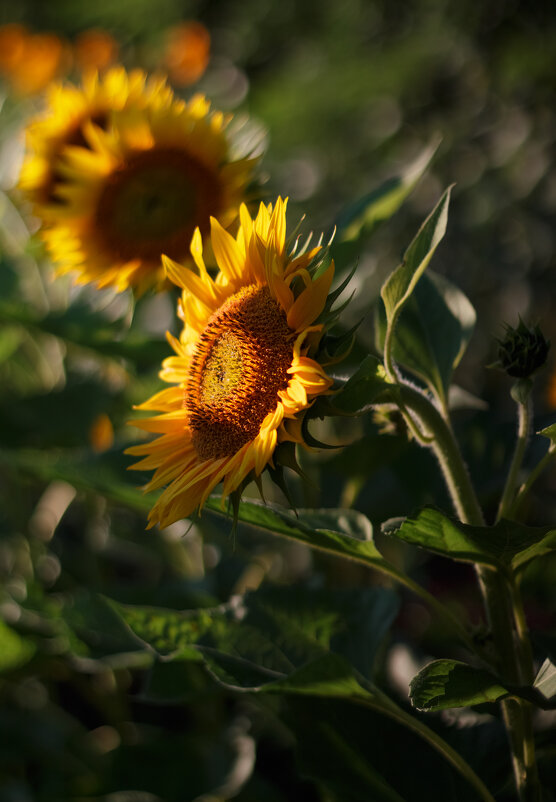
(350, 93)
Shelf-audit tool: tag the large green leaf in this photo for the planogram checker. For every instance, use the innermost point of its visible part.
(334, 760)
(450, 683)
(346, 747)
(507, 543)
(95, 631)
(331, 677)
(365, 214)
(399, 286)
(346, 533)
(172, 633)
(432, 332)
(263, 647)
(269, 632)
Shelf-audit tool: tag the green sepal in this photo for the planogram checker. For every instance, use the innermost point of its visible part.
(521, 390)
(366, 387)
(308, 438)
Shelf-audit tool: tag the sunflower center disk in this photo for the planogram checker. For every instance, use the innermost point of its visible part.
(152, 204)
(240, 364)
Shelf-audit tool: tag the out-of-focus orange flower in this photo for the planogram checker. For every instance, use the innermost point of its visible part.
(12, 46)
(187, 53)
(95, 50)
(30, 61)
(101, 434)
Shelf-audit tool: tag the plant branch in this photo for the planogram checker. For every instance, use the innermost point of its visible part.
(525, 415)
(531, 479)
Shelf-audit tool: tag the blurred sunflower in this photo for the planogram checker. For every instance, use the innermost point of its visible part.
(243, 373)
(141, 189)
(70, 114)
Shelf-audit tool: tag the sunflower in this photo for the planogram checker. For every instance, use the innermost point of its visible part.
(70, 110)
(242, 375)
(140, 189)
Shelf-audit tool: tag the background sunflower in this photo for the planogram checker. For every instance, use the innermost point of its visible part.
(121, 172)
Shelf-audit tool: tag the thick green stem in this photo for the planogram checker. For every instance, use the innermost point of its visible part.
(448, 454)
(498, 592)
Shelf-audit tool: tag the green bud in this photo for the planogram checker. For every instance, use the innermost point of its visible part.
(523, 351)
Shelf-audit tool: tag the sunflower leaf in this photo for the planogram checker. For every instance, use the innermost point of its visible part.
(432, 332)
(506, 544)
(381, 203)
(399, 286)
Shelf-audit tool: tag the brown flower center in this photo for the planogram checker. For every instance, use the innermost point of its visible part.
(153, 203)
(240, 364)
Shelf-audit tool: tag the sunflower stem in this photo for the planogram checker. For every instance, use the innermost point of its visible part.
(500, 593)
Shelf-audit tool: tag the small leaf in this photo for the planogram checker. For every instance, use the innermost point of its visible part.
(400, 284)
(432, 332)
(545, 681)
(542, 543)
(363, 389)
(450, 683)
(433, 530)
(550, 432)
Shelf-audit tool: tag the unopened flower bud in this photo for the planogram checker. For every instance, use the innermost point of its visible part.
(522, 351)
